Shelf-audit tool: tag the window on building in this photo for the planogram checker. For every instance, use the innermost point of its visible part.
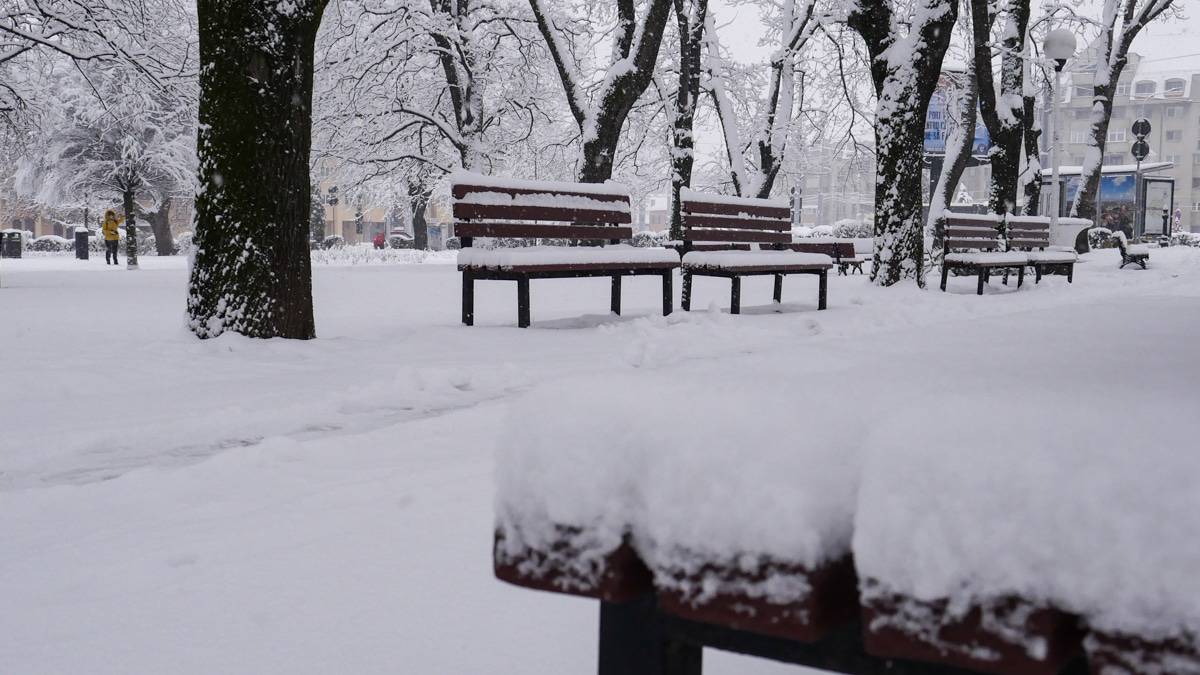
(1116, 135)
(1174, 135)
(1079, 137)
(1145, 88)
(1196, 158)
(1196, 183)
(1174, 111)
(1174, 87)
(1122, 89)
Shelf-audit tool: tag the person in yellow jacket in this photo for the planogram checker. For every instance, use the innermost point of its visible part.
(112, 236)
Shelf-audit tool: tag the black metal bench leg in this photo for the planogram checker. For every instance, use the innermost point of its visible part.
(685, 300)
(778, 288)
(945, 275)
(615, 304)
(468, 298)
(735, 295)
(668, 292)
(632, 643)
(982, 281)
(523, 302)
(1071, 273)
(822, 290)
(1037, 274)
(1020, 276)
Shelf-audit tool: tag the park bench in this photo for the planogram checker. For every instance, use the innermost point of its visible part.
(1031, 235)
(841, 251)
(592, 218)
(1131, 254)
(972, 244)
(733, 237)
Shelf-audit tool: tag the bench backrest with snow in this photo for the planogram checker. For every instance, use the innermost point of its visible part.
(1031, 234)
(972, 232)
(972, 242)
(719, 222)
(485, 207)
(589, 216)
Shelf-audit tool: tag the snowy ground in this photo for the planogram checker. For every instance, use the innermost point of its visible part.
(239, 506)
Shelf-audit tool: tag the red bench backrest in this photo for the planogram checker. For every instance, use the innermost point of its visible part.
(715, 221)
(488, 207)
(970, 231)
(1028, 231)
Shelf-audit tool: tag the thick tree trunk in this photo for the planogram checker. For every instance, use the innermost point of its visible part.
(691, 38)
(1032, 179)
(252, 271)
(958, 152)
(1087, 199)
(131, 261)
(1003, 112)
(903, 87)
(419, 224)
(160, 224)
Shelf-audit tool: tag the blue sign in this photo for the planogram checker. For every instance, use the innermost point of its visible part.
(935, 127)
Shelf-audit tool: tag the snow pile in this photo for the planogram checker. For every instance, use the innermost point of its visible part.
(1093, 511)
(655, 459)
(501, 258)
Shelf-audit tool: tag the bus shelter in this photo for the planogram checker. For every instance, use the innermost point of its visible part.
(1136, 200)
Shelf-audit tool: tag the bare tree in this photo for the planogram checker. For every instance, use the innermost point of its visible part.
(1120, 23)
(690, 25)
(601, 115)
(1002, 108)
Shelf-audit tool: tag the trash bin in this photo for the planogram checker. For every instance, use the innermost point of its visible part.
(81, 243)
(10, 243)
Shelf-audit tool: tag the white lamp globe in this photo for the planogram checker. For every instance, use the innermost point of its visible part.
(1059, 44)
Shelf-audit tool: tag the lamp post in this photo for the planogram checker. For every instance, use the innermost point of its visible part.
(1058, 46)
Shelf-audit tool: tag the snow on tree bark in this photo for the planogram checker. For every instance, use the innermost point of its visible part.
(635, 51)
(1120, 23)
(1002, 108)
(691, 41)
(905, 66)
(252, 272)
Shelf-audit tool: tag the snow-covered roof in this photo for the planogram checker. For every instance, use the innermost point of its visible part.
(1113, 168)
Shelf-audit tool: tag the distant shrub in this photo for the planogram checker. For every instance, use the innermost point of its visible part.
(453, 244)
(651, 239)
(851, 229)
(185, 243)
(1186, 239)
(333, 241)
(51, 243)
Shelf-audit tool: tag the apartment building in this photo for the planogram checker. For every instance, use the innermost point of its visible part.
(1163, 91)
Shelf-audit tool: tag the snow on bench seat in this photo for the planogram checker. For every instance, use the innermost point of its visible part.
(558, 256)
(1053, 256)
(995, 258)
(731, 519)
(754, 259)
(991, 543)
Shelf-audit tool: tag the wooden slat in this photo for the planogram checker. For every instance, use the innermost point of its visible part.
(506, 212)
(462, 190)
(981, 244)
(693, 206)
(694, 234)
(540, 231)
(971, 222)
(694, 220)
(579, 267)
(971, 231)
(832, 249)
(1029, 242)
(780, 269)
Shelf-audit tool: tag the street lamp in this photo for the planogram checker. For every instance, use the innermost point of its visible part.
(1059, 46)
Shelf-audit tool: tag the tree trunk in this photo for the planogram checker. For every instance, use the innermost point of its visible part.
(1033, 161)
(252, 272)
(1003, 112)
(959, 144)
(418, 202)
(131, 261)
(160, 224)
(691, 38)
(904, 80)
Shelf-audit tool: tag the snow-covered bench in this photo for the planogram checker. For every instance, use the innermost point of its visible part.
(596, 217)
(733, 237)
(840, 251)
(972, 243)
(1131, 254)
(1031, 234)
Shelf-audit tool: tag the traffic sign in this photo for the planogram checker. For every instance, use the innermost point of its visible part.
(1140, 149)
(1141, 128)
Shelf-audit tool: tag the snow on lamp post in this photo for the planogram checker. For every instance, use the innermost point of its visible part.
(1058, 46)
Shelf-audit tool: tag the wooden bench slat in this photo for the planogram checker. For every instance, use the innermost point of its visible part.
(836, 250)
(462, 190)
(695, 234)
(507, 212)
(693, 220)
(1021, 243)
(542, 231)
(720, 208)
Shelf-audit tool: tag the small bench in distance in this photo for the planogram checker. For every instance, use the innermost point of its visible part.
(1131, 254)
(587, 215)
(733, 237)
(972, 243)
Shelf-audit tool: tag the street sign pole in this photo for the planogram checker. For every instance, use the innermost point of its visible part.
(1140, 150)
